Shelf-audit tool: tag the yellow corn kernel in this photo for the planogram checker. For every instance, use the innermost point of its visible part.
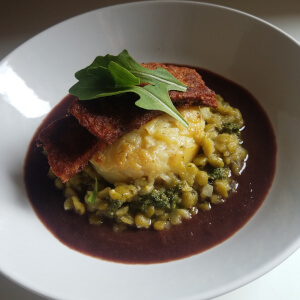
(163, 217)
(103, 193)
(204, 206)
(123, 192)
(190, 173)
(175, 218)
(147, 189)
(127, 191)
(68, 204)
(150, 210)
(208, 147)
(221, 187)
(227, 160)
(202, 178)
(194, 210)
(189, 199)
(115, 195)
(235, 168)
(185, 187)
(122, 189)
(122, 211)
(216, 199)
(127, 219)
(216, 161)
(103, 205)
(159, 225)
(78, 206)
(177, 215)
(142, 221)
(200, 160)
(184, 213)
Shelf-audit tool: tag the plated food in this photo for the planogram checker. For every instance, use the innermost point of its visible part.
(136, 172)
(58, 53)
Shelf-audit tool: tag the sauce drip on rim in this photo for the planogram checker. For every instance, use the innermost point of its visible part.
(201, 232)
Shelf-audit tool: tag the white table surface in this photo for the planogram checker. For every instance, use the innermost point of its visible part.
(20, 20)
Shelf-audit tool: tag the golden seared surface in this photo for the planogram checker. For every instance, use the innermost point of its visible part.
(156, 148)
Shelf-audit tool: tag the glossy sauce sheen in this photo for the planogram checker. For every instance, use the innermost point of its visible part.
(201, 232)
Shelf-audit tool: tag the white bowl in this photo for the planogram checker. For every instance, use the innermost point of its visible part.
(235, 45)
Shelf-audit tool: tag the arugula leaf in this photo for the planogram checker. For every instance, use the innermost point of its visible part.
(156, 97)
(98, 82)
(144, 74)
(93, 195)
(112, 75)
(122, 76)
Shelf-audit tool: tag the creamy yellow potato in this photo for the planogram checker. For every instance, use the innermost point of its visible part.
(152, 149)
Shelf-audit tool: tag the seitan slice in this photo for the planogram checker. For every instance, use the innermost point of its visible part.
(69, 146)
(72, 141)
(110, 118)
(197, 92)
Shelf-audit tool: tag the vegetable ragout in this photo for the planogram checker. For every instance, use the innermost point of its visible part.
(198, 172)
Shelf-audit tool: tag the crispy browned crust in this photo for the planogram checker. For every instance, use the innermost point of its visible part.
(197, 92)
(110, 118)
(71, 142)
(69, 146)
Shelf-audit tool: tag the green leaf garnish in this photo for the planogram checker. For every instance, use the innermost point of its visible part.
(93, 195)
(112, 75)
(122, 77)
(156, 97)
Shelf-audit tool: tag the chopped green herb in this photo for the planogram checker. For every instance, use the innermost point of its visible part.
(217, 173)
(93, 195)
(112, 75)
(114, 205)
(231, 128)
(160, 199)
